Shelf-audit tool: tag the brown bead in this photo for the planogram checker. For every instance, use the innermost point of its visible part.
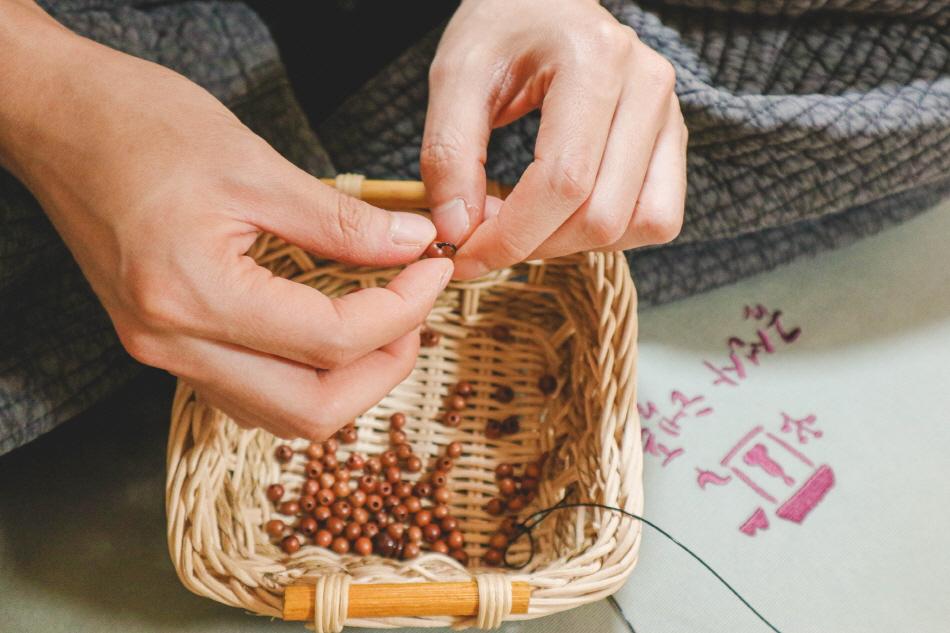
(431, 532)
(494, 507)
(400, 512)
(342, 474)
(397, 421)
(389, 459)
(429, 338)
(403, 451)
(326, 480)
(357, 498)
(422, 489)
(314, 451)
(439, 547)
(441, 495)
(290, 508)
(330, 462)
(493, 558)
(384, 544)
(459, 555)
(355, 461)
(275, 492)
(323, 538)
(391, 502)
(373, 466)
(397, 437)
(441, 249)
(452, 419)
(342, 509)
(501, 333)
(507, 486)
(330, 446)
(413, 504)
(529, 484)
(439, 478)
(290, 544)
(313, 469)
(275, 528)
(498, 541)
(349, 435)
(325, 497)
(511, 425)
(322, 513)
(370, 529)
(423, 518)
(340, 545)
(547, 384)
(382, 519)
(503, 394)
(414, 534)
(464, 389)
(374, 503)
(440, 511)
(284, 454)
(454, 450)
(532, 470)
(456, 402)
(396, 530)
(360, 515)
(455, 540)
(504, 470)
(367, 484)
(393, 475)
(335, 525)
(310, 487)
(352, 531)
(308, 525)
(410, 550)
(363, 546)
(493, 429)
(413, 464)
(516, 504)
(308, 503)
(341, 489)
(444, 464)
(449, 523)
(509, 527)
(384, 488)
(403, 490)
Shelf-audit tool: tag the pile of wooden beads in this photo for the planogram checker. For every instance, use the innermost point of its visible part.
(515, 493)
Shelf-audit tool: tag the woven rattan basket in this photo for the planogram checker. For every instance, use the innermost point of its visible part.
(574, 318)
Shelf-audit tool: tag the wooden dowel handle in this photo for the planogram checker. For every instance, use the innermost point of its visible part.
(406, 194)
(407, 599)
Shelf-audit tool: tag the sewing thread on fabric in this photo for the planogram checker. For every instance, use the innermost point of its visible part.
(526, 526)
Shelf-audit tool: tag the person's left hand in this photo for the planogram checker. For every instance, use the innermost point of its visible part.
(609, 169)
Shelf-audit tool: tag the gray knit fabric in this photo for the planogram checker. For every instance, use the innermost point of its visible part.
(812, 122)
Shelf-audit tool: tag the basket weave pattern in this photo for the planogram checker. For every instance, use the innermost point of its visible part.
(574, 318)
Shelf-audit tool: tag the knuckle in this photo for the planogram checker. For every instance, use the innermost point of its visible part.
(660, 226)
(141, 346)
(661, 73)
(572, 178)
(603, 229)
(440, 152)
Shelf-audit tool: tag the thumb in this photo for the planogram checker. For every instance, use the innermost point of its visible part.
(454, 145)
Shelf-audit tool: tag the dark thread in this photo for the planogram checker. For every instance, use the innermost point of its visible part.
(526, 527)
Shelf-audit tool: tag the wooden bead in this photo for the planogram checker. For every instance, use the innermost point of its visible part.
(449, 524)
(373, 466)
(330, 446)
(397, 437)
(381, 519)
(284, 454)
(452, 419)
(439, 479)
(352, 531)
(310, 487)
(275, 492)
(516, 504)
(308, 525)
(393, 475)
(507, 486)
(370, 529)
(454, 450)
(414, 534)
(464, 389)
(326, 480)
(290, 544)
(322, 513)
(314, 451)
(290, 508)
(429, 338)
(330, 462)
(335, 525)
(342, 474)
(423, 518)
(422, 489)
(397, 421)
(494, 507)
(403, 490)
(308, 503)
(501, 333)
(456, 402)
(441, 249)
(441, 495)
(509, 527)
(455, 540)
(459, 555)
(413, 464)
(410, 550)
(529, 484)
(493, 558)
(355, 461)
(396, 530)
(493, 429)
(341, 489)
(503, 394)
(323, 538)
(400, 512)
(363, 546)
(357, 498)
(413, 504)
(532, 470)
(340, 545)
(431, 532)
(547, 384)
(342, 509)
(367, 484)
(384, 489)
(403, 451)
(275, 528)
(504, 470)
(390, 502)
(360, 516)
(439, 547)
(389, 459)
(325, 497)
(440, 511)
(444, 464)
(510, 425)
(498, 541)
(313, 468)
(384, 544)
(349, 435)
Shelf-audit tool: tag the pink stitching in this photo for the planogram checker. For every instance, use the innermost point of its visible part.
(808, 496)
(758, 521)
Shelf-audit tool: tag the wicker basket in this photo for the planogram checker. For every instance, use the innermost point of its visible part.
(574, 318)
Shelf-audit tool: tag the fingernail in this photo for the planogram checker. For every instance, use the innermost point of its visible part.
(446, 277)
(409, 229)
(452, 218)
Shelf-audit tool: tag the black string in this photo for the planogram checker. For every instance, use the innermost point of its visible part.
(526, 526)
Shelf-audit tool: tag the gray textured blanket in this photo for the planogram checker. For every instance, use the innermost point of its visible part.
(812, 123)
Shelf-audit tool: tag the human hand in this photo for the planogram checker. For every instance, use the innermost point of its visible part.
(159, 191)
(609, 169)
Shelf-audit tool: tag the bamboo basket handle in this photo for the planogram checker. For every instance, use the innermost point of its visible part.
(396, 194)
(408, 599)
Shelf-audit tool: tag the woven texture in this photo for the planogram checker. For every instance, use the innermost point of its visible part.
(574, 318)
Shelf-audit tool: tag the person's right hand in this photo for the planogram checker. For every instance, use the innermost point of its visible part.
(159, 191)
